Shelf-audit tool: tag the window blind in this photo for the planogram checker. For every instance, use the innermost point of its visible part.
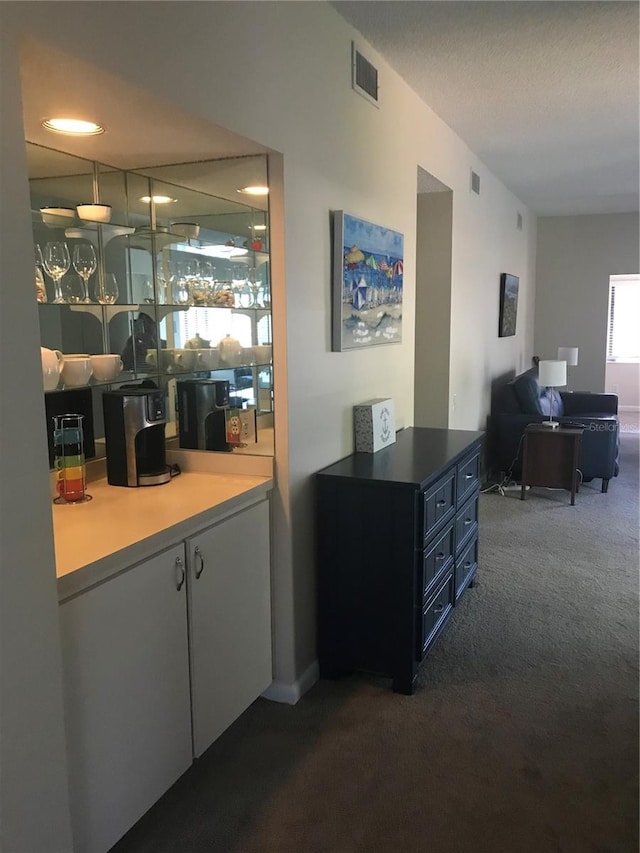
(623, 332)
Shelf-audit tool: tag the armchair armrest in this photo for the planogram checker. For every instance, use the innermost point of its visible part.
(585, 402)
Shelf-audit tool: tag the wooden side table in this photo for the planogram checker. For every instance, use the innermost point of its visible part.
(550, 458)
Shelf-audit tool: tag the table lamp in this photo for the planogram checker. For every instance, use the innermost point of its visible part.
(568, 354)
(552, 374)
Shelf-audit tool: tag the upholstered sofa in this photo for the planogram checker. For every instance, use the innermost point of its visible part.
(523, 401)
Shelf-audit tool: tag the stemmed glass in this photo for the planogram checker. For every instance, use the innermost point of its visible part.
(106, 289)
(56, 263)
(41, 291)
(84, 263)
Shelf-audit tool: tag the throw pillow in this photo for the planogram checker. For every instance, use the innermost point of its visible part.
(527, 391)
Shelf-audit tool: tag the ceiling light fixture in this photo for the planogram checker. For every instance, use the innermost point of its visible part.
(158, 199)
(259, 227)
(255, 190)
(73, 126)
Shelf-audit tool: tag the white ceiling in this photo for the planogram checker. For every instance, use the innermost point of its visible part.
(138, 133)
(545, 93)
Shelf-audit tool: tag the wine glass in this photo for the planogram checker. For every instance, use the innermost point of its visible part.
(56, 263)
(84, 263)
(72, 289)
(41, 290)
(106, 289)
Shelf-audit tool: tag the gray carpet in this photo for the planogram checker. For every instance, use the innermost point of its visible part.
(522, 735)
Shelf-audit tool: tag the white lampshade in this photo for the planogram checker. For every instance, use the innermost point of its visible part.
(568, 354)
(552, 374)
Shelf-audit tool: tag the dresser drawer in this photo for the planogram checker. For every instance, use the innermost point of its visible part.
(434, 614)
(437, 559)
(467, 522)
(466, 566)
(438, 504)
(468, 475)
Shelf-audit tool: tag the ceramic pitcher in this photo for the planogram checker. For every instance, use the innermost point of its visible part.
(52, 361)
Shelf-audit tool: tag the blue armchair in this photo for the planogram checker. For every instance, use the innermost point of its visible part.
(523, 401)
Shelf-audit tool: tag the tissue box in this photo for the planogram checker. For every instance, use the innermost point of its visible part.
(374, 425)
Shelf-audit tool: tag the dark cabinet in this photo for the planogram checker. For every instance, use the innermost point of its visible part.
(396, 547)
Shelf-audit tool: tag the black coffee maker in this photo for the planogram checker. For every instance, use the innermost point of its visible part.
(134, 422)
(202, 408)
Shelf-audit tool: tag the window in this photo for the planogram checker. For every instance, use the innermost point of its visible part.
(623, 334)
(213, 324)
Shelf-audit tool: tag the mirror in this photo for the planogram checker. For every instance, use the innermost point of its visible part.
(180, 288)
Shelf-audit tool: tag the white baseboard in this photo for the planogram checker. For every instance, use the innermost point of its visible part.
(289, 694)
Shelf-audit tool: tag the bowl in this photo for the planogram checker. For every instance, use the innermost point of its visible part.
(58, 216)
(94, 212)
(186, 229)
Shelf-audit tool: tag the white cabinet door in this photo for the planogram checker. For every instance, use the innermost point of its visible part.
(126, 682)
(230, 620)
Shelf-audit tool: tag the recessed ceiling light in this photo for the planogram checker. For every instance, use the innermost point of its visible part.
(255, 190)
(158, 199)
(73, 126)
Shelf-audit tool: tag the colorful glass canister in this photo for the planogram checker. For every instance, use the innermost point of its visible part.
(69, 463)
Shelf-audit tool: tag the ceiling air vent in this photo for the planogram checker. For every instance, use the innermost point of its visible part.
(364, 76)
(475, 182)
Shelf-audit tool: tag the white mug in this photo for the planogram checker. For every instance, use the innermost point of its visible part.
(208, 359)
(262, 353)
(248, 355)
(185, 359)
(76, 370)
(166, 359)
(106, 367)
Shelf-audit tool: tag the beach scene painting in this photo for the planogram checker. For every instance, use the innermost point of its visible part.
(368, 268)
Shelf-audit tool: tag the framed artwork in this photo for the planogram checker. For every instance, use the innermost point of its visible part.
(508, 304)
(368, 266)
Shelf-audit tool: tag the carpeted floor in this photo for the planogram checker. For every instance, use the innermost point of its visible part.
(522, 735)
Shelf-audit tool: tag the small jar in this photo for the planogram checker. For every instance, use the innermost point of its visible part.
(223, 295)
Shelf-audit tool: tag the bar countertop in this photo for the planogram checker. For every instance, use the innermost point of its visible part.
(121, 526)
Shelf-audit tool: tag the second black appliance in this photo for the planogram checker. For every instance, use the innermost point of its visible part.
(202, 408)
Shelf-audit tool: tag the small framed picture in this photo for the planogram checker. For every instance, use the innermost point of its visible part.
(508, 304)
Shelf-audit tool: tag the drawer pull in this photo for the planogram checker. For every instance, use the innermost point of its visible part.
(441, 503)
(198, 556)
(438, 608)
(468, 476)
(467, 522)
(179, 573)
(439, 556)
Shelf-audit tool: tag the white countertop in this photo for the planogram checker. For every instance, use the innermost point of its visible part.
(121, 526)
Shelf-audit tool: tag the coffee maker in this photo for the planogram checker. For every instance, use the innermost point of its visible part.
(202, 407)
(134, 422)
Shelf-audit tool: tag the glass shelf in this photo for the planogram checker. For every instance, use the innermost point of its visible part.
(108, 312)
(89, 231)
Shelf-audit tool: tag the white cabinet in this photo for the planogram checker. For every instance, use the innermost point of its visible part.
(229, 620)
(126, 682)
(158, 661)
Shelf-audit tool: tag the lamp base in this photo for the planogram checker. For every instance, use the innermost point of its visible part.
(551, 424)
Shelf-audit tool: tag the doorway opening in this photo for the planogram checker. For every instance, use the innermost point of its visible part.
(433, 302)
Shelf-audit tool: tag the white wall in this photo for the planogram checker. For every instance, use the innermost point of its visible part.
(623, 379)
(34, 808)
(279, 73)
(575, 257)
